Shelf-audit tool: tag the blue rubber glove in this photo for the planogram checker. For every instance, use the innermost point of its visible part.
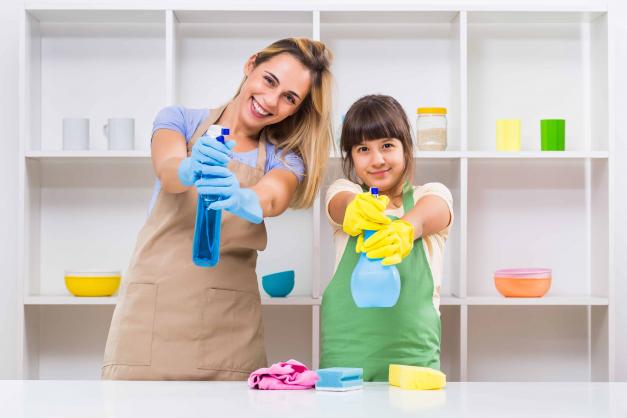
(222, 185)
(206, 152)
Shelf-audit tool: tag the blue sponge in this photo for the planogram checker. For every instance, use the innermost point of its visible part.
(340, 379)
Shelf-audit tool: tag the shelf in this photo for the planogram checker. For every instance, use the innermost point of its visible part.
(73, 300)
(63, 156)
(87, 14)
(91, 155)
(579, 11)
(512, 63)
(540, 155)
(292, 300)
(544, 301)
(500, 155)
(450, 300)
(69, 300)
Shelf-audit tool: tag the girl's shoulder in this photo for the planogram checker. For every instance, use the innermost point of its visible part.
(433, 188)
(343, 185)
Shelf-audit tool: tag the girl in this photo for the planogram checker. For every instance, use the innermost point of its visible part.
(412, 224)
(182, 322)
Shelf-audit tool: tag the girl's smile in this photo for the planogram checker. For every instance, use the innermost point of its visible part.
(379, 163)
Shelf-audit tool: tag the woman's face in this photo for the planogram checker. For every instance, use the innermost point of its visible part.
(379, 162)
(273, 91)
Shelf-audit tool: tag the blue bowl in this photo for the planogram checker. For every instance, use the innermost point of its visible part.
(279, 284)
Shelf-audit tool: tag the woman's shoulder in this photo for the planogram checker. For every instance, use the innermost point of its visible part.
(179, 118)
(177, 111)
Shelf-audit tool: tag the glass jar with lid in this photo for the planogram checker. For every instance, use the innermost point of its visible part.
(431, 128)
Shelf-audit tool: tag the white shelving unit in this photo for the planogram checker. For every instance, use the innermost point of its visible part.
(84, 209)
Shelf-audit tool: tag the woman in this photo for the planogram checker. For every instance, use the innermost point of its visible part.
(182, 322)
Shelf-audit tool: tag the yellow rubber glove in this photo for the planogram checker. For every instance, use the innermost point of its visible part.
(365, 212)
(392, 243)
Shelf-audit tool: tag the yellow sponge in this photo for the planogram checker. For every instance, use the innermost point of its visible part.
(412, 377)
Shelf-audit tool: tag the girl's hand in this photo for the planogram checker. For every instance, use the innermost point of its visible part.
(392, 243)
(365, 212)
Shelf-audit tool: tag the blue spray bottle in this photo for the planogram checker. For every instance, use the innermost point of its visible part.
(374, 285)
(206, 248)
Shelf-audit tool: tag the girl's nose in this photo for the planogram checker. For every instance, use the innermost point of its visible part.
(377, 158)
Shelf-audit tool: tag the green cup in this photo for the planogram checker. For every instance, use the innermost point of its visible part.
(552, 134)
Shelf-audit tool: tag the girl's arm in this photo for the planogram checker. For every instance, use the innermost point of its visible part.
(168, 148)
(275, 191)
(429, 215)
(338, 204)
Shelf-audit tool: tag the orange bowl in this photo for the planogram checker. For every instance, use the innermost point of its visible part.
(523, 283)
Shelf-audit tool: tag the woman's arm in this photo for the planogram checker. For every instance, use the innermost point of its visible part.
(275, 191)
(429, 215)
(168, 148)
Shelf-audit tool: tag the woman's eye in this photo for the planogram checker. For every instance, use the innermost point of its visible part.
(269, 80)
(290, 99)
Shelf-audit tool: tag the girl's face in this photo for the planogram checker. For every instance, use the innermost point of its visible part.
(273, 91)
(379, 162)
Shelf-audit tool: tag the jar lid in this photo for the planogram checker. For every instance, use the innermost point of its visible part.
(433, 110)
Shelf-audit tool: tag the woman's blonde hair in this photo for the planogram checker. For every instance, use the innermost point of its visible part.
(308, 131)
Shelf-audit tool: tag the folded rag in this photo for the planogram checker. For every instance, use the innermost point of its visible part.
(288, 375)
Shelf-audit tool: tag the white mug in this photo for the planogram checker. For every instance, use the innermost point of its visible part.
(75, 134)
(120, 133)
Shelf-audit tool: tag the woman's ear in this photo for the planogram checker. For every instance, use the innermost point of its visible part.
(250, 64)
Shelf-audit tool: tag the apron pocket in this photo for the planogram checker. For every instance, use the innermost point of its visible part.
(130, 336)
(231, 335)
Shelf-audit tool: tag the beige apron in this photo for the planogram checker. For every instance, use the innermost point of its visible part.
(177, 321)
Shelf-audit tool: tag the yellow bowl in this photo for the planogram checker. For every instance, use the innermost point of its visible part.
(92, 283)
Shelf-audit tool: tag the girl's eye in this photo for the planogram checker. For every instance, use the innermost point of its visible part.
(362, 149)
(269, 79)
(388, 145)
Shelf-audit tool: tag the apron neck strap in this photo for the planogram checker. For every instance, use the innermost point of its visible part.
(408, 197)
(212, 117)
(261, 151)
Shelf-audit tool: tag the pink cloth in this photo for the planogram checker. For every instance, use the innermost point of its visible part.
(289, 375)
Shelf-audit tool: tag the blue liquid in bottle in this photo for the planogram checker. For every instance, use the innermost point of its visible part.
(206, 247)
(374, 285)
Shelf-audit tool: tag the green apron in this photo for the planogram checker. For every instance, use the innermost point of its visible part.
(374, 338)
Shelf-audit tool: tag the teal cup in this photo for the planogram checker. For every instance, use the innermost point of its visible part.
(278, 284)
(553, 133)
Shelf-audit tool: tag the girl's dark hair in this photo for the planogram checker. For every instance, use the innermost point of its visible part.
(374, 117)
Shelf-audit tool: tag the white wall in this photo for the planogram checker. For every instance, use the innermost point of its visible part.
(9, 14)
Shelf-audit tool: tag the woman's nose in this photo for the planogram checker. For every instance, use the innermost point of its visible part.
(273, 101)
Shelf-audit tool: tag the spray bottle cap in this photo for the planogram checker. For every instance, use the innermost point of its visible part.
(374, 191)
(218, 132)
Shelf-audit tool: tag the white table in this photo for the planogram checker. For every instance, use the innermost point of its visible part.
(87, 399)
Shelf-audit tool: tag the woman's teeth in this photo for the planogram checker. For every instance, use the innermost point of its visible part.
(259, 109)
